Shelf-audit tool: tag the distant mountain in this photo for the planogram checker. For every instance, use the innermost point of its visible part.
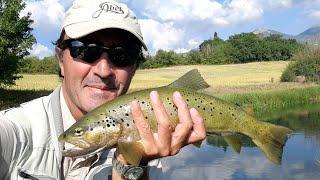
(309, 36)
(266, 32)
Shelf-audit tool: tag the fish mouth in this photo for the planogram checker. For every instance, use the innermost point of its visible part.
(76, 151)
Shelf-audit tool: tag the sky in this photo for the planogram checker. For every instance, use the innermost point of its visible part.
(181, 25)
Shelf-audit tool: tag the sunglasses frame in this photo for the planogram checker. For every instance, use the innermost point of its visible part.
(120, 56)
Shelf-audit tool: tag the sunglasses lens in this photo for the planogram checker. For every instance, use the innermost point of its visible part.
(120, 57)
(89, 53)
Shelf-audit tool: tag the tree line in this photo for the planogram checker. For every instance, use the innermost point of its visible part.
(240, 48)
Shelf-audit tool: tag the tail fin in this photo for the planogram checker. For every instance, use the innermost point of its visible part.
(272, 141)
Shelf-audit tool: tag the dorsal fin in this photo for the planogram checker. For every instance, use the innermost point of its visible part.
(191, 80)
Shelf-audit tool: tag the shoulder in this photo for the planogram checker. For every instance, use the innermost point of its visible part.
(31, 119)
(36, 108)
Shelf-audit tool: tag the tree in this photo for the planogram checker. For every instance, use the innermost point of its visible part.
(15, 39)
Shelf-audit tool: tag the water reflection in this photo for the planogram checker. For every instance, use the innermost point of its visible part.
(301, 155)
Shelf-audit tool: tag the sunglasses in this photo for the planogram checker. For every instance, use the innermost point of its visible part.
(120, 56)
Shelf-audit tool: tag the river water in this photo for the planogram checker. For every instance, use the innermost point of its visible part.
(216, 160)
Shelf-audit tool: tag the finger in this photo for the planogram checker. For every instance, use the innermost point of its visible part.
(164, 130)
(142, 125)
(199, 131)
(184, 127)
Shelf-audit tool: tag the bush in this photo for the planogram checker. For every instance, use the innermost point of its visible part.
(305, 63)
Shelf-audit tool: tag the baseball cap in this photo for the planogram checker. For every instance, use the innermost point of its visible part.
(85, 17)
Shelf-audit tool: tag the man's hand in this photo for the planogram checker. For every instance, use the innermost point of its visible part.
(168, 141)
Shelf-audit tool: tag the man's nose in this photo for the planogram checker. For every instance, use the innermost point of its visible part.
(103, 66)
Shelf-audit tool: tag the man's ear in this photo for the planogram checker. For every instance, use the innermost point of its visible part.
(59, 56)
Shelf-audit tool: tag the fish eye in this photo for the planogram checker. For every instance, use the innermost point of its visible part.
(78, 131)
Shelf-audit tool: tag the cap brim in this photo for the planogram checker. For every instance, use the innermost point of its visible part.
(82, 29)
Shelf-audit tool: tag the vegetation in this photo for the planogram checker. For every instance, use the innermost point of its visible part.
(306, 63)
(275, 102)
(33, 65)
(240, 48)
(15, 39)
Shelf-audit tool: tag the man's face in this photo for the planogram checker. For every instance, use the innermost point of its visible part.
(88, 85)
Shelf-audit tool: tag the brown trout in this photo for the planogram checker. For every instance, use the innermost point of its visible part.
(111, 124)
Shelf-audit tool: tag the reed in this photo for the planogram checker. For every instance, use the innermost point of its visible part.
(270, 102)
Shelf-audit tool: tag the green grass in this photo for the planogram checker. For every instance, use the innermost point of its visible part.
(12, 98)
(275, 102)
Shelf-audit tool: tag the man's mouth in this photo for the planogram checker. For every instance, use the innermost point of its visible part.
(102, 87)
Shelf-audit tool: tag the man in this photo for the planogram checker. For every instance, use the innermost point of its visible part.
(99, 50)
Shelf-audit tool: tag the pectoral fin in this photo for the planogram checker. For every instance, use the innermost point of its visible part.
(131, 151)
(234, 142)
(197, 144)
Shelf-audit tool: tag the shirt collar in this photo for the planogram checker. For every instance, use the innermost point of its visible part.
(68, 119)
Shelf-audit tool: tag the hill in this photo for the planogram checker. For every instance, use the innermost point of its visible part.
(309, 36)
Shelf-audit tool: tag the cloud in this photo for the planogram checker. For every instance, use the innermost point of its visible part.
(170, 24)
(47, 14)
(40, 51)
(161, 35)
(163, 20)
(312, 9)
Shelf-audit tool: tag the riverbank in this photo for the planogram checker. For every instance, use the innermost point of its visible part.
(269, 103)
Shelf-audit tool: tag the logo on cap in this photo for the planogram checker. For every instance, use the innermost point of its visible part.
(108, 7)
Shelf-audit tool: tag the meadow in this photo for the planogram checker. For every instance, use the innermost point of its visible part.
(227, 81)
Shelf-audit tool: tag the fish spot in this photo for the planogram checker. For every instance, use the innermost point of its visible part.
(151, 109)
(187, 100)
(126, 114)
(108, 125)
(170, 103)
(114, 110)
(128, 124)
(211, 115)
(204, 109)
(211, 103)
(171, 114)
(142, 102)
(98, 122)
(102, 120)
(195, 99)
(122, 120)
(220, 113)
(146, 117)
(134, 98)
(91, 129)
(232, 114)
(113, 125)
(201, 101)
(168, 98)
(107, 120)
(198, 106)
(120, 106)
(114, 121)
